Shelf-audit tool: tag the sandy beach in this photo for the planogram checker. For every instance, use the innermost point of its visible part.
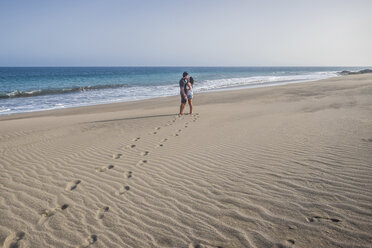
(284, 166)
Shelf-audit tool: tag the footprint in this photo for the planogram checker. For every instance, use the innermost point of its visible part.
(176, 134)
(292, 227)
(334, 219)
(116, 156)
(122, 190)
(128, 174)
(145, 153)
(158, 128)
(186, 126)
(72, 185)
(12, 241)
(164, 140)
(281, 245)
(130, 146)
(141, 162)
(179, 130)
(291, 241)
(105, 168)
(63, 207)
(160, 145)
(367, 140)
(318, 218)
(154, 132)
(311, 219)
(101, 212)
(136, 139)
(198, 245)
(89, 241)
(52, 211)
(47, 213)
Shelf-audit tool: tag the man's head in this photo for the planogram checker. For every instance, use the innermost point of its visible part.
(185, 75)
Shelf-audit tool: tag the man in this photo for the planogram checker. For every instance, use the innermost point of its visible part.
(182, 83)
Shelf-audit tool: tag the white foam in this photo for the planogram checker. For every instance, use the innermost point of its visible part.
(2, 110)
(258, 81)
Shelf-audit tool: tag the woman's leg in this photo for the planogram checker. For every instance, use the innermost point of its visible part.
(190, 104)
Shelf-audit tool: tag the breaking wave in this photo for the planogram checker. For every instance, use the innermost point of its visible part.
(31, 93)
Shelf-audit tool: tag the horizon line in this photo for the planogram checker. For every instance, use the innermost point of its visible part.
(28, 66)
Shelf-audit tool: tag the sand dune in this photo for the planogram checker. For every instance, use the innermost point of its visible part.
(287, 166)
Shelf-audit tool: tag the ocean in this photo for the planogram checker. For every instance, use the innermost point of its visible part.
(28, 89)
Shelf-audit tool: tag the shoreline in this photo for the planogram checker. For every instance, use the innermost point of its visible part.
(34, 98)
(51, 111)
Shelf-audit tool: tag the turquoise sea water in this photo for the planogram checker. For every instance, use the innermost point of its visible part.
(27, 89)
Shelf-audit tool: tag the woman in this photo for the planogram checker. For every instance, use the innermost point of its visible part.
(189, 93)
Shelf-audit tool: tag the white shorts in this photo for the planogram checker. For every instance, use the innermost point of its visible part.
(189, 95)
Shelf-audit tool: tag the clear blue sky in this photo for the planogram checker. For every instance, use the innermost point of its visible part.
(171, 32)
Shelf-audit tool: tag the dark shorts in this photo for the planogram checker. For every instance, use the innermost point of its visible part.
(183, 100)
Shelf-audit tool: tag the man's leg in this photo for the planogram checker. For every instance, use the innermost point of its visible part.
(182, 107)
(190, 104)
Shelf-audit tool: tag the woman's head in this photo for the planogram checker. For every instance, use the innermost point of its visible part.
(191, 81)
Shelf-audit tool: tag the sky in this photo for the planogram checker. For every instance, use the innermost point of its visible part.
(185, 33)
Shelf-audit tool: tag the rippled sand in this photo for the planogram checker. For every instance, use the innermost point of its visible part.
(286, 166)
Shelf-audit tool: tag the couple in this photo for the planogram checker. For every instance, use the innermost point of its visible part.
(186, 83)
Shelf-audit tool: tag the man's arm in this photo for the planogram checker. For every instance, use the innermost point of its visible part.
(183, 91)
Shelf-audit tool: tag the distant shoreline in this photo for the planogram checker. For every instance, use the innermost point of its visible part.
(116, 106)
(250, 87)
